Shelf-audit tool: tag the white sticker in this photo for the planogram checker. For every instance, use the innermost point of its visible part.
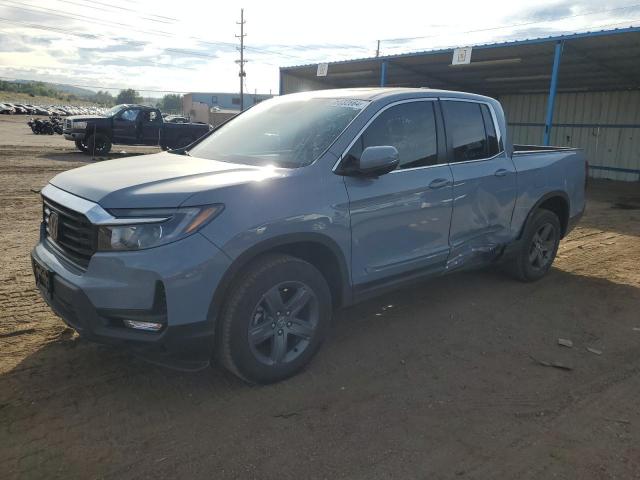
(461, 56)
(323, 69)
(349, 103)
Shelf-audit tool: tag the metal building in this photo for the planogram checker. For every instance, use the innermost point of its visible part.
(225, 101)
(580, 90)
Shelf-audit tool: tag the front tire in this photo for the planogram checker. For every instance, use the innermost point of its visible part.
(275, 319)
(98, 144)
(82, 146)
(540, 242)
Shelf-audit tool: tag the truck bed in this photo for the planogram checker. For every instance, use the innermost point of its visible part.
(547, 169)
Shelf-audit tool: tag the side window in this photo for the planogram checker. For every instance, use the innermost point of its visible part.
(410, 127)
(466, 129)
(493, 146)
(130, 115)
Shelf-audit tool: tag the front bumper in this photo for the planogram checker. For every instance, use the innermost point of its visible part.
(127, 284)
(74, 136)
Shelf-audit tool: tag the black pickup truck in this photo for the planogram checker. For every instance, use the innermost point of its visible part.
(129, 125)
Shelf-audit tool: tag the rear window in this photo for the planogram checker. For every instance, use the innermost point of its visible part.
(471, 130)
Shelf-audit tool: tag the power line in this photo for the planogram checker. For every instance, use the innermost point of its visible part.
(95, 7)
(95, 37)
(37, 9)
(78, 17)
(84, 18)
(624, 24)
(300, 47)
(501, 27)
(160, 18)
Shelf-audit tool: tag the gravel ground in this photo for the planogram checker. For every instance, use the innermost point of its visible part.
(441, 380)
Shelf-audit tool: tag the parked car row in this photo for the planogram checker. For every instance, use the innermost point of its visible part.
(49, 110)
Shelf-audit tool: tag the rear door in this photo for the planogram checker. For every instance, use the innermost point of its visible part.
(151, 125)
(484, 181)
(400, 221)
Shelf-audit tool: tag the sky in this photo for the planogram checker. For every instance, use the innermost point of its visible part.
(158, 46)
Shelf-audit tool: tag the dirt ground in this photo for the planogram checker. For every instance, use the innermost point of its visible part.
(441, 380)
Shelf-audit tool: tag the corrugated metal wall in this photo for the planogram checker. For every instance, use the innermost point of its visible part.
(292, 84)
(605, 124)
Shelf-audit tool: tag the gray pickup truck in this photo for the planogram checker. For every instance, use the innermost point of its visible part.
(241, 246)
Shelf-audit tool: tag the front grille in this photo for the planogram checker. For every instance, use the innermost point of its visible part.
(76, 238)
(67, 124)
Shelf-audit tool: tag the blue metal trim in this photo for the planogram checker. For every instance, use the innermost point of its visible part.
(383, 73)
(576, 125)
(553, 89)
(514, 43)
(615, 169)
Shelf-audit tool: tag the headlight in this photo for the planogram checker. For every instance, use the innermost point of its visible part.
(80, 125)
(136, 229)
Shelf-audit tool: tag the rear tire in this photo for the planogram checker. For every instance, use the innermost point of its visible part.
(275, 319)
(98, 144)
(540, 242)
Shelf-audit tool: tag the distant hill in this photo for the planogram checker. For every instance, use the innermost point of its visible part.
(77, 91)
(62, 88)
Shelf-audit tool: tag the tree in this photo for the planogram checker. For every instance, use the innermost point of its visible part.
(128, 96)
(103, 98)
(171, 103)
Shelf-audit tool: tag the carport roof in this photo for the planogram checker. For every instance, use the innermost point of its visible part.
(591, 61)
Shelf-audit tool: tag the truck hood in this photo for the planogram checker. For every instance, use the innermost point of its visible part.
(158, 180)
(85, 117)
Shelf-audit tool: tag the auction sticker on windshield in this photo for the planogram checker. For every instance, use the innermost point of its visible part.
(349, 103)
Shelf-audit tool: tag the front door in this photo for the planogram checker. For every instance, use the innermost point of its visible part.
(126, 126)
(400, 221)
(484, 185)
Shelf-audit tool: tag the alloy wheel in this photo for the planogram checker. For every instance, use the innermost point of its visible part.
(542, 246)
(283, 323)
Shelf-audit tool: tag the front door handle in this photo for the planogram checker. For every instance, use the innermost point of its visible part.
(501, 172)
(439, 183)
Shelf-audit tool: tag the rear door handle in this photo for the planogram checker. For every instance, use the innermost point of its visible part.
(439, 183)
(501, 172)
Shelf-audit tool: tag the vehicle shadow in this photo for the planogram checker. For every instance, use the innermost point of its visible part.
(413, 372)
(76, 156)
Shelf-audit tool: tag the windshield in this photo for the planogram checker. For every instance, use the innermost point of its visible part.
(290, 131)
(113, 110)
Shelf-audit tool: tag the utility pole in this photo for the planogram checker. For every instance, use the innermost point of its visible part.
(378, 49)
(242, 61)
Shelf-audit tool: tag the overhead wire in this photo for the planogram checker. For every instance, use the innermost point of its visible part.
(225, 45)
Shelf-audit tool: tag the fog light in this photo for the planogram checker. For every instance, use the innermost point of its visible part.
(148, 326)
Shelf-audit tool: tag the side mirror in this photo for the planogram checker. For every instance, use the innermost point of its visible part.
(376, 161)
